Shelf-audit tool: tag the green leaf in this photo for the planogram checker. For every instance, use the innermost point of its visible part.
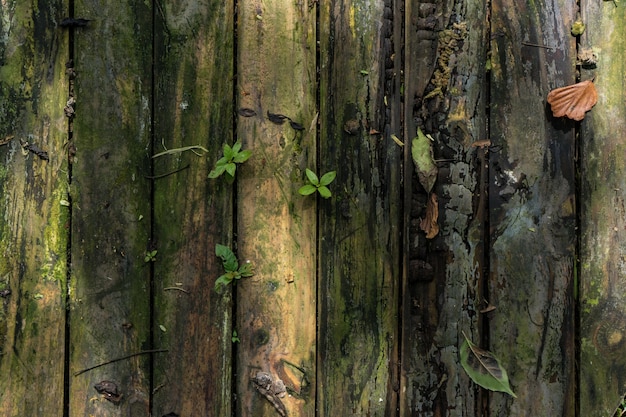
(228, 152)
(236, 147)
(307, 189)
(422, 153)
(312, 177)
(222, 281)
(246, 269)
(328, 177)
(230, 260)
(324, 191)
(220, 167)
(235, 338)
(242, 156)
(484, 368)
(231, 168)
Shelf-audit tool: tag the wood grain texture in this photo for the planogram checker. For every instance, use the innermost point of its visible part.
(603, 243)
(193, 106)
(446, 95)
(360, 225)
(33, 228)
(276, 227)
(110, 283)
(532, 208)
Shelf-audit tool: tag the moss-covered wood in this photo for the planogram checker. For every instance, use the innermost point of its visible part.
(110, 282)
(33, 219)
(192, 213)
(603, 243)
(446, 95)
(360, 226)
(276, 227)
(532, 208)
(351, 306)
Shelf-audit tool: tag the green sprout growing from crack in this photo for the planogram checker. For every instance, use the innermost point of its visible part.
(228, 163)
(233, 270)
(150, 256)
(318, 184)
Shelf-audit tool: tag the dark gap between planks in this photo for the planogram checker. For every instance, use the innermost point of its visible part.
(68, 268)
(233, 310)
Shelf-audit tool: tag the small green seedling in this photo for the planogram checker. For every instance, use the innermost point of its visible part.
(231, 267)
(150, 256)
(228, 163)
(235, 337)
(319, 185)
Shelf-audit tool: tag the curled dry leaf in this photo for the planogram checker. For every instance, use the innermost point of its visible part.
(429, 223)
(574, 100)
(246, 112)
(277, 118)
(296, 126)
(484, 143)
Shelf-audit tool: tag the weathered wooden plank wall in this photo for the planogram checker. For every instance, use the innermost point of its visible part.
(33, 221)
(446, 97)
(603, 143)
(276, 227)
(351, 306)
(532, 207)
(360, 227)
(111, 214)
(193, 105)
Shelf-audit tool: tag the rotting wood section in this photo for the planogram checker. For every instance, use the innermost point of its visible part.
(351, 306)
(360, 227)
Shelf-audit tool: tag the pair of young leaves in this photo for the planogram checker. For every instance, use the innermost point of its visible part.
(318, 184)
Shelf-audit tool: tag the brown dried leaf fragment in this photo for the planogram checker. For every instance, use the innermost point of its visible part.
(246, 112)
(296, 126)
(109, 390)
(429, 223)
(277, 118)
(484, 143)
(574, 100)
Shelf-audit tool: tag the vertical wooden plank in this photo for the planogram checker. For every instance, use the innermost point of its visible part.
(603, 244)
(446, 97)
(193, 106)
(110, 283)
(532, 207)
(360, 224)
(33, 232)
(276, 307)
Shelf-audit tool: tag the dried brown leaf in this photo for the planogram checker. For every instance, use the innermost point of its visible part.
(574, 100)
(246, 112)
(429, 223)
(277, 118)
(485, 143)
